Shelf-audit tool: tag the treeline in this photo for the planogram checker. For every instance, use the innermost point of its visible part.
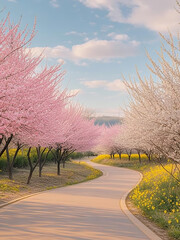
(152, 121)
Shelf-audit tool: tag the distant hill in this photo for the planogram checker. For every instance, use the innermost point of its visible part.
(108, 120)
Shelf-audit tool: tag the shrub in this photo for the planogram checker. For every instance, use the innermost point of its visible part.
(78, 155)
(3, 164)
(21, 162)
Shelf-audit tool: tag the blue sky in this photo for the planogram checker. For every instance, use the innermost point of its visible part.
(98, 40)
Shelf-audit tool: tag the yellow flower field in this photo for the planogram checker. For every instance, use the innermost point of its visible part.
(125, 156)
(158, 196)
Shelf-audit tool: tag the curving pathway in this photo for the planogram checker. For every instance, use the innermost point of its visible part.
(86, 211)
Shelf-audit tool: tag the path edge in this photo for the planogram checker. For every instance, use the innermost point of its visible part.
(147, 231)
(21, 198)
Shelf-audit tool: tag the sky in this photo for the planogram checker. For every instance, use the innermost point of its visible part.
(99, 41)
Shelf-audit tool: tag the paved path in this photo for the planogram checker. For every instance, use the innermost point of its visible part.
(86, 211)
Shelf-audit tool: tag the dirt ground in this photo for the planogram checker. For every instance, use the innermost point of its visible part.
(12, 189)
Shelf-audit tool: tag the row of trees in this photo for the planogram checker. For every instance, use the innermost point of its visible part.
(152, 121)
(35, 112)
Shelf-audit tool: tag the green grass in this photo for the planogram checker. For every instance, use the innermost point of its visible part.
(7, 185)
(94, 173)
(73, 173)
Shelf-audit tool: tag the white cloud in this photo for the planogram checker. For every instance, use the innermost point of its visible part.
(84, 64)
(98, 3)
(155, 15)
(76, 33)
(106, 28)
(54, 3)
(121, 37)
(94, 84)
(98, 50)
(12, 1)
(61, 61)
(101, 50)
(59, 52)
(115, 85)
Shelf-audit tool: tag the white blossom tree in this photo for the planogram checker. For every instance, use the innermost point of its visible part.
(154, 112)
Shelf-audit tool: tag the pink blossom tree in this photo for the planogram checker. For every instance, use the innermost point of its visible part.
(108, 142)
(80, 135)
(27, 96)
(14, 67)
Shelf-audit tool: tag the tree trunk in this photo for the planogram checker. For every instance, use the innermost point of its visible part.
(40, 155)
(9, 164)
(139, 153)
(129, 157)
(58, 168)
(45, 158)
(40, 168)
(30, 175)
(32, 168)
(6, 145)
(38, 150)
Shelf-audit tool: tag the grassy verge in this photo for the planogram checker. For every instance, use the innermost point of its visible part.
(93, 173)
(158, 194)
(72, 174)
